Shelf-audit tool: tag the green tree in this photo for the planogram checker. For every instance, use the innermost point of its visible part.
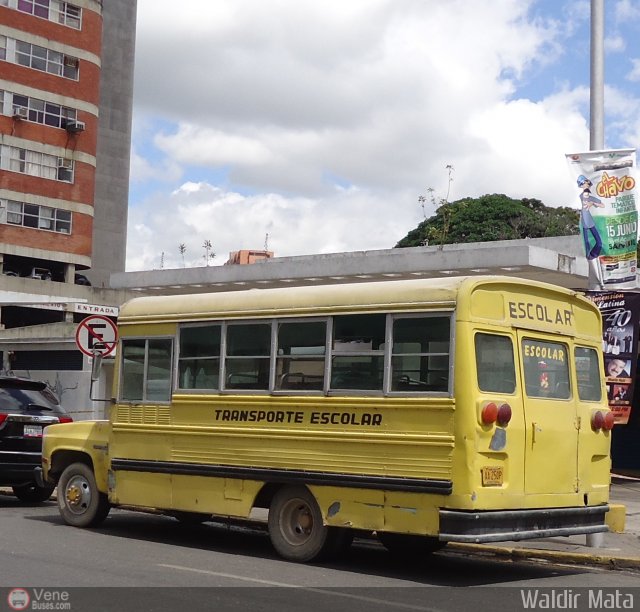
(491, 217)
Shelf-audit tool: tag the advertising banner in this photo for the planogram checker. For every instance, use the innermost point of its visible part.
(620, 316)
(605, 187)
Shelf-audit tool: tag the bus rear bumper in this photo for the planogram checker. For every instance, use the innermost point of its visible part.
(478, 527)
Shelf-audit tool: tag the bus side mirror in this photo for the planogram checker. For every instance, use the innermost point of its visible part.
(96, 369)
(96, 366)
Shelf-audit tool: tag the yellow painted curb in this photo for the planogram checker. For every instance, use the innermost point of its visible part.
(534, 554)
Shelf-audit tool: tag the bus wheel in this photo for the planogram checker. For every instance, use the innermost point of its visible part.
(409, 545)
(79, 501)
(296, 529)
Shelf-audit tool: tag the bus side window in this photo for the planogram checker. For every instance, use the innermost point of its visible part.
(301, 356)
(495, 364)
(420, 356)
(357, 359)
(199, 358)
(132, 378)
(158, 387)
(146, 369)
(247, 358)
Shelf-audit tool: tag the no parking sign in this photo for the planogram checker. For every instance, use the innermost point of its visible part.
(97, 334)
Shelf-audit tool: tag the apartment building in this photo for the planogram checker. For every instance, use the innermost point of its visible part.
(49, 94)
(66, 91)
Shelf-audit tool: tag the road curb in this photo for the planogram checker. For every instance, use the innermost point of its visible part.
(573, 558)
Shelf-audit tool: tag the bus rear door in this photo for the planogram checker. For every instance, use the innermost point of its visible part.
(551, 415)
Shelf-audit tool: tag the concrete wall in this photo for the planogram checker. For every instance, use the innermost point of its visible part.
(114, 140)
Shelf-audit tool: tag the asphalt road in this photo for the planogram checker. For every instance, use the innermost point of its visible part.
(138, 561)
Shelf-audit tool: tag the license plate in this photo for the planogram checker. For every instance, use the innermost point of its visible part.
(492, 476)
(33, 431)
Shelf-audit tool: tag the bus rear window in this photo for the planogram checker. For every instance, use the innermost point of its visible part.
(546, 371)
(588, 371)
(495, 364)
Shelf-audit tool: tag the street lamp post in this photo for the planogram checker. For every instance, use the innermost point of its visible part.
(596, 117)
(597, 76)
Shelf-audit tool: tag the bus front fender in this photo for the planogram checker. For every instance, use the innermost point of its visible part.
(83, 441)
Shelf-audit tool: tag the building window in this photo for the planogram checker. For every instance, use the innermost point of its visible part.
(3, 47)
(43, 112)
(46, 60)
(68, 14)
(65, 170)
(58, 11)
(45, 166)
(39, 8)
(39, 217)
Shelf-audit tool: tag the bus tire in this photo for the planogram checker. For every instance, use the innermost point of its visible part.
(296, 528)
(408, 545)
(80, 502)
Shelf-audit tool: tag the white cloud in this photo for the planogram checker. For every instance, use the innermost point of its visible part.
(328, 120)
(615, 44)
(198, 212)
(634, 73)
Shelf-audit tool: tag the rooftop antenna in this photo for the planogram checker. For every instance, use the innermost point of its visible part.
(266, 242)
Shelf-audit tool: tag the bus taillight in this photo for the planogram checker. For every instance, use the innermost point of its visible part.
(504, 415)
(597, 420)
(492, 414)
(609, 421)
(602, 421)
(489, 413)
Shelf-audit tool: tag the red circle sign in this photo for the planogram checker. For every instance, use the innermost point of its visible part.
(97, 334)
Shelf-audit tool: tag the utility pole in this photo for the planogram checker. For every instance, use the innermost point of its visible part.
(597, 77)
(596, 107)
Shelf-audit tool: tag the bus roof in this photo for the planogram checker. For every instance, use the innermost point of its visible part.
(321, 299)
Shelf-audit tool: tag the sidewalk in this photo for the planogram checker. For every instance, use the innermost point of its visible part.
(617, 550)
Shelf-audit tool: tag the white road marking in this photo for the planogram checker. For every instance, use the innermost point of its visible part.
(326, 591)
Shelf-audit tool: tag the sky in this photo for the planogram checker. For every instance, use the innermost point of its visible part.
(319, 127)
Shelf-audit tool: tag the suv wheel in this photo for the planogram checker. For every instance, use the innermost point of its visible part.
(32, 493)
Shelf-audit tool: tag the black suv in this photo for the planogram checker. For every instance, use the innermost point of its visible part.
(26, 408)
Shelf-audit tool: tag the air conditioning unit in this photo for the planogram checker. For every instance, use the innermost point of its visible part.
(20, 112)
(75, 127)
(65, 163)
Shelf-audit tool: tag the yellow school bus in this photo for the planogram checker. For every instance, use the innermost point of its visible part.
(423, 411)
